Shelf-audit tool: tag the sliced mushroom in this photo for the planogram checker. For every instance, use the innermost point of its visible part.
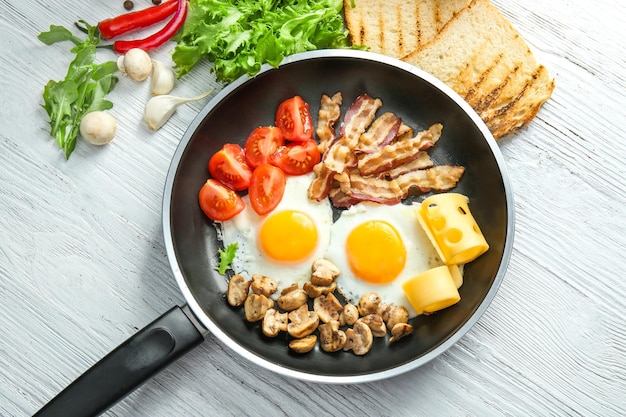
(274, 322)
(349, 315)
(396, 315)
(302, 322)
(327, 307)
(399, 331)
(331, 338)
(303, 345)
(368, 304)
(263, 285)
(359, 338)
(237, 291)
(255, 307)
(313, 290)
(376, 324)
(324, 272)
(292, 298)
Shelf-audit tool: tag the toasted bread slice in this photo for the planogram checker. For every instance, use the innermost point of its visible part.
(484, 59)
(397, 27)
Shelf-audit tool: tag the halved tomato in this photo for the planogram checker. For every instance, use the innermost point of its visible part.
(297, 158)
(261, 144)
(228, 165)
(293, 117)
(267, 187)
(219, 202)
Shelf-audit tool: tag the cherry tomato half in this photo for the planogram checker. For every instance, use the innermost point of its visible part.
(219, 202)
(293, 117)
(228, 165)
(297, 158)
(261, 144)
(267, 187)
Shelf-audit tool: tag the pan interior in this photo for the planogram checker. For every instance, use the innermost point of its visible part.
(420, 104)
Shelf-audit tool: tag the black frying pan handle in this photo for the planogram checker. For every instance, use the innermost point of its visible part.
(125, 368)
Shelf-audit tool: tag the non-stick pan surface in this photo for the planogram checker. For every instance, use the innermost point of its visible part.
(416, 97)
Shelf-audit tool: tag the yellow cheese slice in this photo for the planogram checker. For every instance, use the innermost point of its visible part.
(452, 229)
(432, 290)
(457, 275)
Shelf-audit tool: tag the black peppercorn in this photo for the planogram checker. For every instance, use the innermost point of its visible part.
(128, 5)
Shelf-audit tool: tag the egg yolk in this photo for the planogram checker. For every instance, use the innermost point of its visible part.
(375, 252)
(288, 236)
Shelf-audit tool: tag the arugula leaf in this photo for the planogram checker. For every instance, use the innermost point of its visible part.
(240, 36)
(83, 89)
(226, 257)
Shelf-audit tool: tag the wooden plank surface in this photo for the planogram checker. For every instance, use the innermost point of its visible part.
(83, 266)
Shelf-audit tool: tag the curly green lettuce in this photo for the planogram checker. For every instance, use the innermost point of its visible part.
(240, 36)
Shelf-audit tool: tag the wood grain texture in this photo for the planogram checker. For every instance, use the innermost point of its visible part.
(83, 266)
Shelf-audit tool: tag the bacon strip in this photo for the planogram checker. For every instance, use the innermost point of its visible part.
(329, 113)
(421, 161)
(358, 117)
(393, 155)
(382, 132)
(359, 188)
(321, 185)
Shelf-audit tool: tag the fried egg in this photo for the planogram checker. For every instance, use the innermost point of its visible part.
(284, 243)
(378, 247)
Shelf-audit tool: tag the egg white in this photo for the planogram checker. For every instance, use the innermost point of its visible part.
(420, 253)
(244, 229)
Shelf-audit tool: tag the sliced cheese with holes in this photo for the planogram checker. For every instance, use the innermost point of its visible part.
(432, 290)
(452, 229)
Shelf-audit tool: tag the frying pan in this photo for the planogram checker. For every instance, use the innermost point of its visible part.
(191, 242)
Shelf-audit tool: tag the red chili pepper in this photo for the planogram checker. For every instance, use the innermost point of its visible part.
(116, 26)
(159, 38)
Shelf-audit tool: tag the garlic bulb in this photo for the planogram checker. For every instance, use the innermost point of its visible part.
(160, 108)
(163, 78)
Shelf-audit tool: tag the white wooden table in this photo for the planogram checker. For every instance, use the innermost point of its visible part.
(83, 266)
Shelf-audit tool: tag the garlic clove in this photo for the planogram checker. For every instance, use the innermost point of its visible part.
(159, 109)
(163, 78)
(120, 64)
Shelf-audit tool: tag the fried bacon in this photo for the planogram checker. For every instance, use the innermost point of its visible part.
(375, 160)
(328, 115)
(422, 161)
(382, 132)
(358, 117)
(395, 154)
(357, 187)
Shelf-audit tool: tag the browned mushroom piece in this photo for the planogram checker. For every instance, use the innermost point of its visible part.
(302, 322)
(327, 307)
(237, 291)
(383, 309)
(304, 344)
(324, 272)
(255, 307)
(376, 324)
(396, 315)
(263, 285)
(274, 322)
(368, 303)
(292, 298)
(399, 331)
(349, 315)
(331, 338)
(313, 290)
(359, 338)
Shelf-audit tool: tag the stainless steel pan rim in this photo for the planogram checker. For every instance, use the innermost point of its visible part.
(313, 376)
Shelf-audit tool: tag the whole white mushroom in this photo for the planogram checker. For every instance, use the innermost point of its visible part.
(137, 64)
(98, 128)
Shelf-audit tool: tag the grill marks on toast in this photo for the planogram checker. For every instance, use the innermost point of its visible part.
(397, 27)
(484, 59)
